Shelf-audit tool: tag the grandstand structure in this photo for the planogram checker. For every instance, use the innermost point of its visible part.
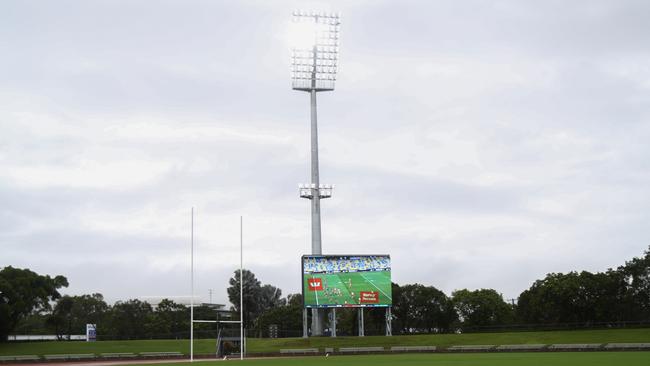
(335, 264)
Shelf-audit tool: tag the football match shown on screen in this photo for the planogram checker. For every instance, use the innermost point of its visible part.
(340, 281)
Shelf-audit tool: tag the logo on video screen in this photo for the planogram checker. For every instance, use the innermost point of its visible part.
(369, 297)
(315, 284)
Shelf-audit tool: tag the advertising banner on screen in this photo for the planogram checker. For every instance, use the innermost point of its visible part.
(346, 281)
(369, 297)
(315, 284)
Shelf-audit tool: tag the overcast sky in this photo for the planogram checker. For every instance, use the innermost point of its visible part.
(482, 144)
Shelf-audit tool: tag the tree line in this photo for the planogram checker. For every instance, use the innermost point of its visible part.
(569, 299)
(30, 303)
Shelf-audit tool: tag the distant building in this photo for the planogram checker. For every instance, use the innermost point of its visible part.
(186, 301)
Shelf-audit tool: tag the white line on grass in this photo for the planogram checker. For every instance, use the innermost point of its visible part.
(372, 283)
(316, 292)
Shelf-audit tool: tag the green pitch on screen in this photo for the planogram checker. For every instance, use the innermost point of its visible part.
(369, 287)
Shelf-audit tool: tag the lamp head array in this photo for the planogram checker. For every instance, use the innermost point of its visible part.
(310, 189)
(315, 49)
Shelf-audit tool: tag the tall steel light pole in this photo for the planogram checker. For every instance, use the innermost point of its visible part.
(314, 63)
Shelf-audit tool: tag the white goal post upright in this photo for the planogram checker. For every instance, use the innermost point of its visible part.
(241, 288)
(192, 288)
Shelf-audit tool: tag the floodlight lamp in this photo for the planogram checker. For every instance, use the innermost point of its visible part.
(303, 35)
(314, 41)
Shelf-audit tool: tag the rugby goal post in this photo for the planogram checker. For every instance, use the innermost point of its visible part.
(241, 293)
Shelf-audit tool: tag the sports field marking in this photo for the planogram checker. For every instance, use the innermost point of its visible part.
(339, 284)
(345, 288)
(315, 292)
(336, 289)
(372, 283)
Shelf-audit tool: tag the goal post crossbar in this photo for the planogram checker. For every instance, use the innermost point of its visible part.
(215, 321)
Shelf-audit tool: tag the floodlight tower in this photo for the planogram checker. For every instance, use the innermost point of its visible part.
(314, 62)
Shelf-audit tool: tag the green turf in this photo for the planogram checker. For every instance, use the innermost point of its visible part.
(481, 359)
(45, 348)
(446, 340)
(206, 346)
(344, 288)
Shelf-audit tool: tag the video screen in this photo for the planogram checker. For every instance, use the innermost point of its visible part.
(346, 281)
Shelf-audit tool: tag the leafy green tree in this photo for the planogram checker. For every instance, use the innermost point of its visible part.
(130, 319)
(418, 308)
(574, 298)
(295, 300)
(258, 299)
(172, 317)
(252, 296)
(34, 323)
(287, 315)
(399, 310)
(270, 297)
(636, 278)
(439, 315)
(480, 308)
(23, 292)
(374, 320)
(71, 314)
(606, 299)
(346, 321)
(584, 297)
(61, 319)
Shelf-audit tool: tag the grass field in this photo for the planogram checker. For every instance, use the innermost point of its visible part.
(344, 288)
(484, 359)
(207, 346)
(446, 340)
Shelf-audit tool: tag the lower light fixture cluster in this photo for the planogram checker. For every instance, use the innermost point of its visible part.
(308, 190)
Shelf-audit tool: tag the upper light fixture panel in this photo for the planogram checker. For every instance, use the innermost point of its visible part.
(314, 50)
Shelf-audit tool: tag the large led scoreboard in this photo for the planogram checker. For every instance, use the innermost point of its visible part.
(346, 281)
